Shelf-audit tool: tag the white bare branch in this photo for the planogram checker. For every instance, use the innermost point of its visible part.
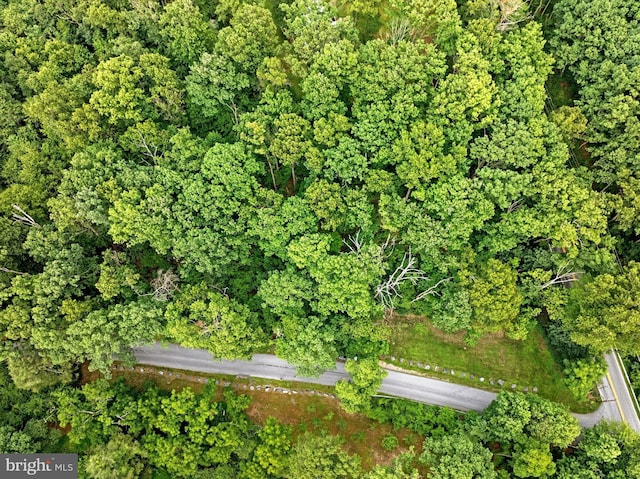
(388, 290)
(513, 206)
(147, 148)
(512, 13)
(354, 243)
(164, 285)
(562, 276)
(13, 271)
(389, 244)
(432, 290)
(24, 217)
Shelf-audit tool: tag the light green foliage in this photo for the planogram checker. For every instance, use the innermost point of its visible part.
(251, 36)
(286, 293)
(275, 448)
(344, 282)
(121, 98)
(526, 429)
(582, 375)
(515, 417)
(181, 432)
(366, 378)
(117, 276)
(389, 442)
(309, 26)
(436, 19)
(607, 449)
(322, 456)
(466, 98)
(420, 155)
(273, 163)
(601, 55)
(571, 121)
(101, 334)
(525, 70)
(402, 468)
(29, 370)
(457, 457)
(279, 220)
(550, 423)
(602, 311)
(121, 458)
(506, 417)
(391, 86)
(208, 225)
(307, 344)
(495, 299)
(214, 87)
(533, 459)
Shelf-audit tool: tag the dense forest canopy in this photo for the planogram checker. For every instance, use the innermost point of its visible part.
(239, 175)
(256, 175)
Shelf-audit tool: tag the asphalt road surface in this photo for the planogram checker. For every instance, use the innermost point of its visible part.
(621, 395)
(616, 402)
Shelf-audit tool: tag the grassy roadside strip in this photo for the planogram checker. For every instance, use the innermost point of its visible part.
(527, 363)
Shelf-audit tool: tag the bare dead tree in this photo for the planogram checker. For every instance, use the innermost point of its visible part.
(562, 277)
(512, 13)
(164, 285)
(208, 329)
(147, 148)
(541, 8)
(388, 291)
(389, 244)
(234, 109)
(13, 271)
(23, 217)
(278, 332)
(433, 290)
(273, 176)
(354, 243)
(399, 29)
(513, 206)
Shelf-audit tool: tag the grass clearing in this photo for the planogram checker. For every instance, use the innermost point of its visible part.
(526, 363)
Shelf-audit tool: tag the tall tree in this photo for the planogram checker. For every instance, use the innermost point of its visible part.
(603, 311)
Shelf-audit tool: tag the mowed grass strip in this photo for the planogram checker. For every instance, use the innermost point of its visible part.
(527, 363)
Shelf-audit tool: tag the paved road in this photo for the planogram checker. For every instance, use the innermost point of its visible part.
(267, 366)
(417, 388)
(622, 396)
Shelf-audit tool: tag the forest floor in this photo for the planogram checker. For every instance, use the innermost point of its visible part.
(527, 363)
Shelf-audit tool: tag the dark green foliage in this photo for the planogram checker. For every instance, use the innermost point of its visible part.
(24, 418)
(424, 419)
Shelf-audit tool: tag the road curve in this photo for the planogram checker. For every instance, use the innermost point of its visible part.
(417, 388)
